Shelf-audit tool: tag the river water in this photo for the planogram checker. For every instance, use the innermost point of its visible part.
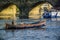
(51, 31)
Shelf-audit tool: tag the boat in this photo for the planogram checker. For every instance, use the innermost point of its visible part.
(25, 26)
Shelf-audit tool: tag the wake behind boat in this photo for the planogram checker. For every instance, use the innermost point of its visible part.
(25, 26)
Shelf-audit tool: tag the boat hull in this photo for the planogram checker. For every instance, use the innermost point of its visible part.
(13, 27)
(25, 26)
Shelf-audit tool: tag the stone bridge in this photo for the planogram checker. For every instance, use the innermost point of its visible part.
(25, 5)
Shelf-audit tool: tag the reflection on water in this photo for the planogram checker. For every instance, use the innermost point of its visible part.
(52, 31)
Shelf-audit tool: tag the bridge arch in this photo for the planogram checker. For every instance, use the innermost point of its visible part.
(38, 9)
(9, 11)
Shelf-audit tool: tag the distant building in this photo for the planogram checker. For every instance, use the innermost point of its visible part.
(38, 11)
(9, 12)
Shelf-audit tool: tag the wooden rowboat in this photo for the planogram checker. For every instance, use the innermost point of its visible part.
(25, 26)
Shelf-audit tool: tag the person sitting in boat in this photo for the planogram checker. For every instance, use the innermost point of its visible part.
(13, 23)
